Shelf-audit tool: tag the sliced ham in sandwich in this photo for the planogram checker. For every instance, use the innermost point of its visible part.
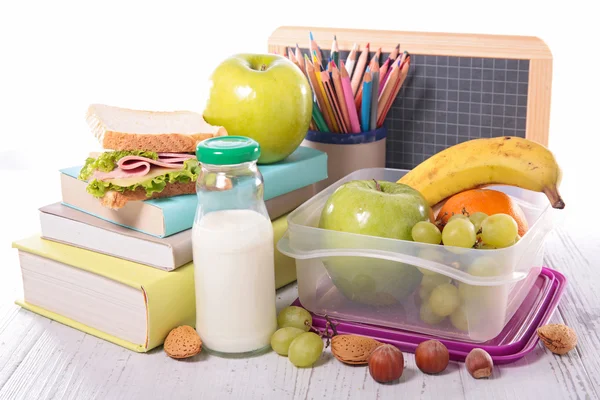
(156, 160)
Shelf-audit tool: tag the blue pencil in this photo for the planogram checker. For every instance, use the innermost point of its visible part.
(365, 111)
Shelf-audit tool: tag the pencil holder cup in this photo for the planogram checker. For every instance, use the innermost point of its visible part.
(348, 152)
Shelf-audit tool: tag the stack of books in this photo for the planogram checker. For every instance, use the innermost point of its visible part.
(122, 269)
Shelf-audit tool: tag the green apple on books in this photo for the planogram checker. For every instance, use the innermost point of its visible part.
(262, 96)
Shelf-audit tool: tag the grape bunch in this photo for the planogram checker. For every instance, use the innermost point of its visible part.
(293, 339)
(442, 298)
(477, 230)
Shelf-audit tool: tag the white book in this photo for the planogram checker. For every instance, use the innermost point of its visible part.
(66, 225)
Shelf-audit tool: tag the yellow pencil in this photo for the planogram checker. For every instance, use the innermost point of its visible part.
(328, 107)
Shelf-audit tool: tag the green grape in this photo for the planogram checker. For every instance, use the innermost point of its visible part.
(459, 319)
(459, 233)
(294, 316)
(431, 281)
(428, 316)
(424, 292)
(457, 216)
(305, 349)
(431, 255)
(426, 232)
(517, 239)
(467, 292)
(282, 338)
(477, 218)
(499, 230)
(444, 299)
(485, 266)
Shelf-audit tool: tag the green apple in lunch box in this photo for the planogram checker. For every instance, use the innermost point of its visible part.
(262, 96)
(375, 208)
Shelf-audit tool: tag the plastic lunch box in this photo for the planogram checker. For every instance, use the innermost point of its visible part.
(386, 282)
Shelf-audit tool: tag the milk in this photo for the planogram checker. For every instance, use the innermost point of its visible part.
(234, 275)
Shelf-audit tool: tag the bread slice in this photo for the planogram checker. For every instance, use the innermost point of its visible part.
(161, 131)
(116, 200)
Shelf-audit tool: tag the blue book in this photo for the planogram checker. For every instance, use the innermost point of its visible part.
(168, 216)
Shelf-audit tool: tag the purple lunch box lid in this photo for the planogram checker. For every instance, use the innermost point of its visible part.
(501, 354)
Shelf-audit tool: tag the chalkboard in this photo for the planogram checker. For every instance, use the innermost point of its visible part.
(459, 86)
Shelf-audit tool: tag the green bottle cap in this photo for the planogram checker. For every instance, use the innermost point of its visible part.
(227, 150)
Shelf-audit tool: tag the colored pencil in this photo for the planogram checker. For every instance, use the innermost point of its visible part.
(395, 52)
(335, 51)
(361, 64)
(403, 73)
(337, 111)
(347, 87)
(374, 97)
(312, 78)
(291, 54)
(318, 118)
(339, 92)
(300, 59)
(404, 57)
(383, 72)
(365, 114)
(358, 98)
(378, 54)
(351, 60)
(314, 47)
(328, 107)
(388, 88)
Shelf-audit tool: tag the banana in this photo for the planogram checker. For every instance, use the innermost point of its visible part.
(507, 160)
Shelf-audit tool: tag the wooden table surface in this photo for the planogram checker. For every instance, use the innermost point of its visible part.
(42, 359)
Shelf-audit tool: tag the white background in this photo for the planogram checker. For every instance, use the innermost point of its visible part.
(57, 57)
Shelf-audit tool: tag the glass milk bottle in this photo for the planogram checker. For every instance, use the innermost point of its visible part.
(233, 250)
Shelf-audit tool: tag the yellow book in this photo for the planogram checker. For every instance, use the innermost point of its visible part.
(123, 302)
(120, 301)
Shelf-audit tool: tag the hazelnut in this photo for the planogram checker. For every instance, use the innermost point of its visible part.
(386, 363)
(479, 363)
(432, 356)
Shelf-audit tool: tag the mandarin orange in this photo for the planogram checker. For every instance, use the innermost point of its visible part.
(488, 201)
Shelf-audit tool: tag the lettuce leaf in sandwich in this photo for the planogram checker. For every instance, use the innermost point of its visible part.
(107, 162)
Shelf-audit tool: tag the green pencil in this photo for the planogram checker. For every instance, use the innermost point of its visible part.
(335, 52)
(318, 117)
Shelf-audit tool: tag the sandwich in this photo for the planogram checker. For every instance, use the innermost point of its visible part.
(148, 155)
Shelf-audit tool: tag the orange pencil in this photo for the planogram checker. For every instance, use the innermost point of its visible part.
(359, 70)
(337, 112)
(386, 93)
(312, 78)
(339, 92)
(396, 89)
(374, 63)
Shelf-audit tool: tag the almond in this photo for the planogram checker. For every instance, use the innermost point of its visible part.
(182, 342)
(558, 338)
(353, 349)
